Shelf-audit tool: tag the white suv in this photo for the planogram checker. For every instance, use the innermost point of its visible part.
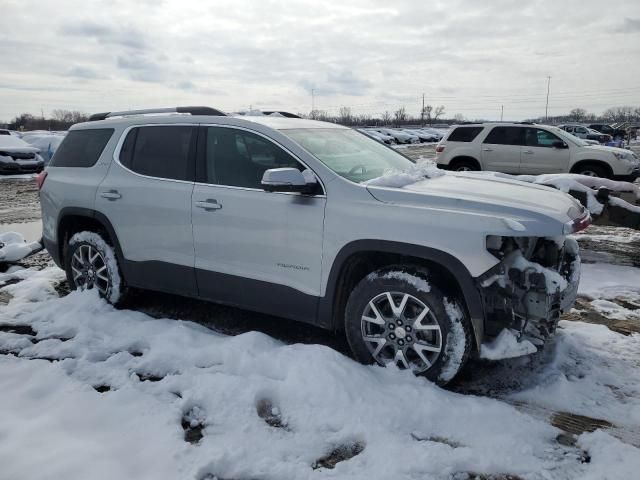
(521, 148)
(283, 216)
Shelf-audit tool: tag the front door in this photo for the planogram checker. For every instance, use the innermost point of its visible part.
(539, 155)
(255, 249)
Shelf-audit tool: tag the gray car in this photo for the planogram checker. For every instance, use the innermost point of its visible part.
(18, 157)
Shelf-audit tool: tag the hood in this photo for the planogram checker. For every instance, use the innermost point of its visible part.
(496, 197)
(604, 148)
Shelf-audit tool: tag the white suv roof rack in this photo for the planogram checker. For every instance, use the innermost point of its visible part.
(190, 110)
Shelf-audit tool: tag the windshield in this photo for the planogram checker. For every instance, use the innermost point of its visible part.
(568, 136)
(350, 154)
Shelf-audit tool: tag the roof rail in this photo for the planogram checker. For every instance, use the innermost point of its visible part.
(284, 114)
(190, 110)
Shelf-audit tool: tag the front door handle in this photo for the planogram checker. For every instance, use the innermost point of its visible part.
(209, 204)
(486, 149)
(111, 195)
(528, 152)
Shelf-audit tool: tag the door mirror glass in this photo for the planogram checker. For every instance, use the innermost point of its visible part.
(288, 180)
(560, 144)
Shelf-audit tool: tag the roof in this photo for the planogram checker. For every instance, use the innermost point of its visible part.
(277, 123)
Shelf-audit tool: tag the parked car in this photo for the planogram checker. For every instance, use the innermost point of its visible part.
(436, 133)
(4, 131)
(17, 156)
(423, 137)
(46, 144)
(398, 135)
(609, 130)
(586, 133)
(283, 216)
(531, 149)
(381, 137)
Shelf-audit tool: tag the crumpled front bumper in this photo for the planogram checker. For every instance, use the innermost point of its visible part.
(529, 300)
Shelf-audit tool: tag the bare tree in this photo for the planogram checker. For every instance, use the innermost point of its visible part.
(385, 117)
(344, 116)
(578, 114)
(400, 115)
(458, 117)
(438, 112)
(426, 113)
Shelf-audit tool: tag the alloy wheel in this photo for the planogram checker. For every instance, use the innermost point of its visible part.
(400, 329)
(90, 269)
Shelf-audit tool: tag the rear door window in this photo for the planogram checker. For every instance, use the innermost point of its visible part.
(505, 136)
(81, 148)
(464, 134)
(162, 151)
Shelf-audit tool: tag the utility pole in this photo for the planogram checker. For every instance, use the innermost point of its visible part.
(501, 112)
(546, 108)
(313, 102)
(422, 112)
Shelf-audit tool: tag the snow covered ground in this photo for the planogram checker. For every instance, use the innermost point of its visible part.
(89, 391)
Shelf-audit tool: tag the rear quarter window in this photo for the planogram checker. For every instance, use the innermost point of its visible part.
(464, 134)
(81, 148)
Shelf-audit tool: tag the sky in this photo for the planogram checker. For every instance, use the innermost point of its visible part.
(373, 56)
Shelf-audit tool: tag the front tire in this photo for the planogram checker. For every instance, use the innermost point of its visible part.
(592, 170)
(465, 166)
(90, 263)
(398, 315)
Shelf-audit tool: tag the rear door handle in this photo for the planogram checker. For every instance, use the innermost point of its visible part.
(528, 152)
(486, 149)
(111, 195)
(209, 204)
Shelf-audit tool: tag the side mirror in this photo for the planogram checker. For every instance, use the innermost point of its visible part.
(288, 180)
(560, 144)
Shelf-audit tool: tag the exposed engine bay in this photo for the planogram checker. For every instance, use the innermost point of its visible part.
(536, 280)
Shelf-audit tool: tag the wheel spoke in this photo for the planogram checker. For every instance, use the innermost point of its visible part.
(102, 277)
(422, 346)
(400, 358)
(93, 258)
(101, 269)
(76, 273)
(379, 341)
(422, 356)
(378, 320)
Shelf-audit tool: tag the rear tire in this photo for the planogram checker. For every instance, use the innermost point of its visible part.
(397, 315)
(91, 263)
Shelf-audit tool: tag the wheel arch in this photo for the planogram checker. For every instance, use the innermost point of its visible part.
(464, 158)
(599, 163)
(357, 259)
(75, 219)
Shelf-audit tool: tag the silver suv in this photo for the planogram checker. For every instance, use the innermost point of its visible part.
(525, 148)
(283, 216)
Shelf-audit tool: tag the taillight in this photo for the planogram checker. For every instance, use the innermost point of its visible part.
(40, 178)
(578, 224)
(440, 149)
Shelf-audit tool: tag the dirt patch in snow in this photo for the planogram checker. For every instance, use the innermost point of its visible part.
(339, 454)
(584, 311)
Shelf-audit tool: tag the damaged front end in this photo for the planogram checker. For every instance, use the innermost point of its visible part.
(536, 281)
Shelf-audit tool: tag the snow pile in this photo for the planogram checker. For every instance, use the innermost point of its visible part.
(399, 179)
(14, 247)
(581, 183)
(417, 282)
(159, 377)
(603, 280)
(506, 345)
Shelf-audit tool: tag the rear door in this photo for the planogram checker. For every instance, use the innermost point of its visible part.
(260, 250)
(539, 154)
(147, 198)
(501, 149)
